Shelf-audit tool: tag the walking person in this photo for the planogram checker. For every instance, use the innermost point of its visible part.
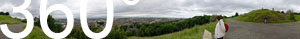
(265, 20)
(221, 28)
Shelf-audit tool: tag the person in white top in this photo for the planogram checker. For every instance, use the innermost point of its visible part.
(220, 29)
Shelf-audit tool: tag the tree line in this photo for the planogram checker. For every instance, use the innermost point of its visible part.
(4, 13)
(160, 28)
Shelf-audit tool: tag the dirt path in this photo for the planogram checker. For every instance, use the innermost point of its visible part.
(13, 28)
(244, 30)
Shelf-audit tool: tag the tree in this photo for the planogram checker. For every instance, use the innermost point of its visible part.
(291, 13)
(100, 23)
(51, 23)
(77, 33)
(282, 12)
(1, 13)
(54, 27)
(37, 23)
(116, 34)
(236, 14)
(6, 13)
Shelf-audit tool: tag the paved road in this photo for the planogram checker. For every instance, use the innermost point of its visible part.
(14, 28)
(245, 30)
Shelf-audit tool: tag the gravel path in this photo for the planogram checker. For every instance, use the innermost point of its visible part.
(14, 28)
(245, 30)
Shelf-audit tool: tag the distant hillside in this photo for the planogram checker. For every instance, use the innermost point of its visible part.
(6, 19)
(258, 16)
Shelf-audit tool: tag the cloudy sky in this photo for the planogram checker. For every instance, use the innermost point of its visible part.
(158, 8)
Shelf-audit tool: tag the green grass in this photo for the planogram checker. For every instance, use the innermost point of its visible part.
(225, 19)
(6, 19)
(193, 33)
(37, 33)
(297, 17)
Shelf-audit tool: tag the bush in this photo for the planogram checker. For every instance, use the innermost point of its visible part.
(77, 33)
(4, 13)
(116, 34)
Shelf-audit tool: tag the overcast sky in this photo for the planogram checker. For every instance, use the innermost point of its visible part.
(159, 8)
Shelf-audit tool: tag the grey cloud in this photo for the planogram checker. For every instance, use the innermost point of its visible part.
(164, 8)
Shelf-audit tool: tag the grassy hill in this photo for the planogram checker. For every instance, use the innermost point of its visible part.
(193, 33)
(6, 19)
(258, 16)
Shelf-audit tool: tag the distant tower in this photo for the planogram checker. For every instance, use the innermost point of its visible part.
(272, 9)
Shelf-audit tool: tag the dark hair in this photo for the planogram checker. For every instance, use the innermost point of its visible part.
(265, 18)
(218, 17)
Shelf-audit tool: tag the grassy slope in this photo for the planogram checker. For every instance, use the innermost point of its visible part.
(297, 17)
(192, 33)
(37, 33)
(6, 19)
